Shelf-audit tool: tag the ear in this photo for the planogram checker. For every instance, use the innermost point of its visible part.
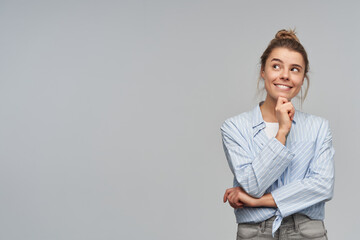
(262, 73)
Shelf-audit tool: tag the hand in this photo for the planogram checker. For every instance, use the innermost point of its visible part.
(285, 112)
(238, 198)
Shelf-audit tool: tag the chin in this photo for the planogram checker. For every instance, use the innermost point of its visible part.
(285, 95)
(275, 96)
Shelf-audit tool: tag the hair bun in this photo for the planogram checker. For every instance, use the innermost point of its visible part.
(287, 34)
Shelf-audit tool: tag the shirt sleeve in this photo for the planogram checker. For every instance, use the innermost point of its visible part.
(318, 183)
(255, 173)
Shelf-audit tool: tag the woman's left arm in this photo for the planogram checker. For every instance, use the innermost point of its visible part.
(317, 186)
(318, 183)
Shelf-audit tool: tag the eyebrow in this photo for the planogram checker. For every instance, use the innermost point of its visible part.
(278, 60)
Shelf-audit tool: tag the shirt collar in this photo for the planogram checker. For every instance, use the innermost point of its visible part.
(258, 121)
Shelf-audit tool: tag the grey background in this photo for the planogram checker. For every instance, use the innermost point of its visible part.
(110, 112)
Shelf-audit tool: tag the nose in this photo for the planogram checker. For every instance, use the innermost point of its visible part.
(284, 74)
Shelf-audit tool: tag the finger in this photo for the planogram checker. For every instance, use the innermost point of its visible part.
(230, 197)
(227, 192)
(287, 106)
(239, 204)
(281, 101)
(234, 199)
(283, 105)
(292, 113)
(232, 205)
(292, 116)
(236, 204)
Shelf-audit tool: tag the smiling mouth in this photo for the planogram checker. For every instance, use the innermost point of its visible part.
(282, 86)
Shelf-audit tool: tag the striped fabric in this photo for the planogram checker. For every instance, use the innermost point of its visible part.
(299, 175)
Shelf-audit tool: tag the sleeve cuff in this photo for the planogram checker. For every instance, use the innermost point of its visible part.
(277, 147)
(277, 200)
(284, 155)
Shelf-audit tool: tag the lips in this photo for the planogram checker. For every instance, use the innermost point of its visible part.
(282, 86)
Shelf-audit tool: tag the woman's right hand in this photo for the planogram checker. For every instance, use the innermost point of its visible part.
(285, 112)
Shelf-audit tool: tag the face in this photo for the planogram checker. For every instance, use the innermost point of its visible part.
(283, 73)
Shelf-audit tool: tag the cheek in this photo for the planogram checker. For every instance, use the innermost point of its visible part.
(298, 85)
(299, 81)
(270, 78)
(272, 75)
(267, 82)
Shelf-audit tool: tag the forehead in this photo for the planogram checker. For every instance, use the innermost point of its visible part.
(287, 56)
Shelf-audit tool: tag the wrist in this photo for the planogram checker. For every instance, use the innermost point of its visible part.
(283, 131)
(281, 135)
(281, 138)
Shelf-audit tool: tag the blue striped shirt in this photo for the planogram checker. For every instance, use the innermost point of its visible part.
(299, 175)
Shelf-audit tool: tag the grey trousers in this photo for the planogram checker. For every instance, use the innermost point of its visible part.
(296, 226)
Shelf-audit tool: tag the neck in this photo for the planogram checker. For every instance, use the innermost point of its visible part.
(268, 109)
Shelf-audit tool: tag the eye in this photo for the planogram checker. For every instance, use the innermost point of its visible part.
(295, 69)
(276, 66)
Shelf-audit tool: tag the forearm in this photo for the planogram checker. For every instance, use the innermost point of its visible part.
(266, 200)
(256, 174)
(265, 168)
(299, 195)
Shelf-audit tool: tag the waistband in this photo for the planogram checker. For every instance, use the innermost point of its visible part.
(289, 221)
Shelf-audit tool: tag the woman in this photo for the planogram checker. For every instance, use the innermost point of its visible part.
(281, 158)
